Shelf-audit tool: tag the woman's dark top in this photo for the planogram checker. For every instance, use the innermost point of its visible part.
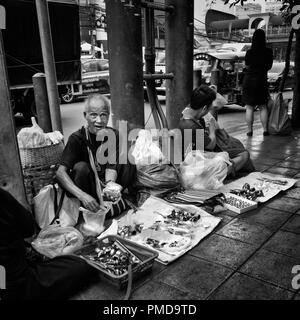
(255, 84)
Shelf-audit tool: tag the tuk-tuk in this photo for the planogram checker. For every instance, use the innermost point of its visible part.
(223, 69)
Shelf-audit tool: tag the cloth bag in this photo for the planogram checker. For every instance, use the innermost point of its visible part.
(160, 178)
(52, 205)
(204, 170)
(279, 122)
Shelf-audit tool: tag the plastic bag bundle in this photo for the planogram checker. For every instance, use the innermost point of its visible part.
(146, 151)
(34, 137)
(56, 240)
(204, 170)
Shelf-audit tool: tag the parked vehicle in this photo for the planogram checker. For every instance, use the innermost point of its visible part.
(95, 78)
(23, 48)
(275, 75)
(224, 69)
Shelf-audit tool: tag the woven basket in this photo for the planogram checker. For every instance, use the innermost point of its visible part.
(41, 156)
(39, 167)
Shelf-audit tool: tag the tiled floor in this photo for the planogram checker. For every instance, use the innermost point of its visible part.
(248, 256)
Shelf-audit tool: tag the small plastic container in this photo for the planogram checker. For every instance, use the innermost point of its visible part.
(239, 204)
(145, 255)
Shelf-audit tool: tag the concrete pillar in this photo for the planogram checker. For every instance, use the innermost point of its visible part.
(41, 101)
(179, 34)
(124, 32)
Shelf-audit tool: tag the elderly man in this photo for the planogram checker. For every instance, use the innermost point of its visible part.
(75, 173)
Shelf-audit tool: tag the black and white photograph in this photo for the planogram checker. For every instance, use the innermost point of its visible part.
(150, 155)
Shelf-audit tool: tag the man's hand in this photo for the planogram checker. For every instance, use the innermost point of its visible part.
(89, 202)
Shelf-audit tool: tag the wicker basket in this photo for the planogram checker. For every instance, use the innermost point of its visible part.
(39, 167)
(41, 156)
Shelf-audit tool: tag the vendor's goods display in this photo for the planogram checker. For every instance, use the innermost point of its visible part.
(114, 256)
(168, 229)
(238, 204)
(248, 192)
(258, 186)
(163, 241)
(130, 230)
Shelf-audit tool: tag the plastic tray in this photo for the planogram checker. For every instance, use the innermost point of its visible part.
(246, 204)
(147, 257)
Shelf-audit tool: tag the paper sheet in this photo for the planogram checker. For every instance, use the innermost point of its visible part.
(261, 181)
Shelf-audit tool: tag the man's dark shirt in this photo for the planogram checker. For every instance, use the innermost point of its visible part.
(76, 150)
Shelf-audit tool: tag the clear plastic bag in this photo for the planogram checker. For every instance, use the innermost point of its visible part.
(93, 221)
(204, 170)
(56, 240)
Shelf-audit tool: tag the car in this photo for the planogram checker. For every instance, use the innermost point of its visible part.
(275, 75)
(94, 79)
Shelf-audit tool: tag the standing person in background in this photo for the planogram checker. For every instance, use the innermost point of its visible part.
(259, 60)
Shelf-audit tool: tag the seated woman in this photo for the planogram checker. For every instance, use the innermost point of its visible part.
(192, 118)
(56, 278)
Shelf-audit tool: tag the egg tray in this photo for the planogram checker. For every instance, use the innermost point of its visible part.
(239, 204)
(145, 255)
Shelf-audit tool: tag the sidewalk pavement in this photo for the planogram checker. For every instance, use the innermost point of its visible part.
(248, 256)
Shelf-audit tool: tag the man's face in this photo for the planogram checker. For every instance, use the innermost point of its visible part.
(97, 116)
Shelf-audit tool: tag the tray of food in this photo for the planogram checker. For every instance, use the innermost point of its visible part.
(112, 256)
(238, 204)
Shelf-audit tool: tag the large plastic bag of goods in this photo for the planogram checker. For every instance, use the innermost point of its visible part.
(204, 170)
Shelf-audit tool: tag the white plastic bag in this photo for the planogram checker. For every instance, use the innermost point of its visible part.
(204, 170)
(44, 208)
(146, 151)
